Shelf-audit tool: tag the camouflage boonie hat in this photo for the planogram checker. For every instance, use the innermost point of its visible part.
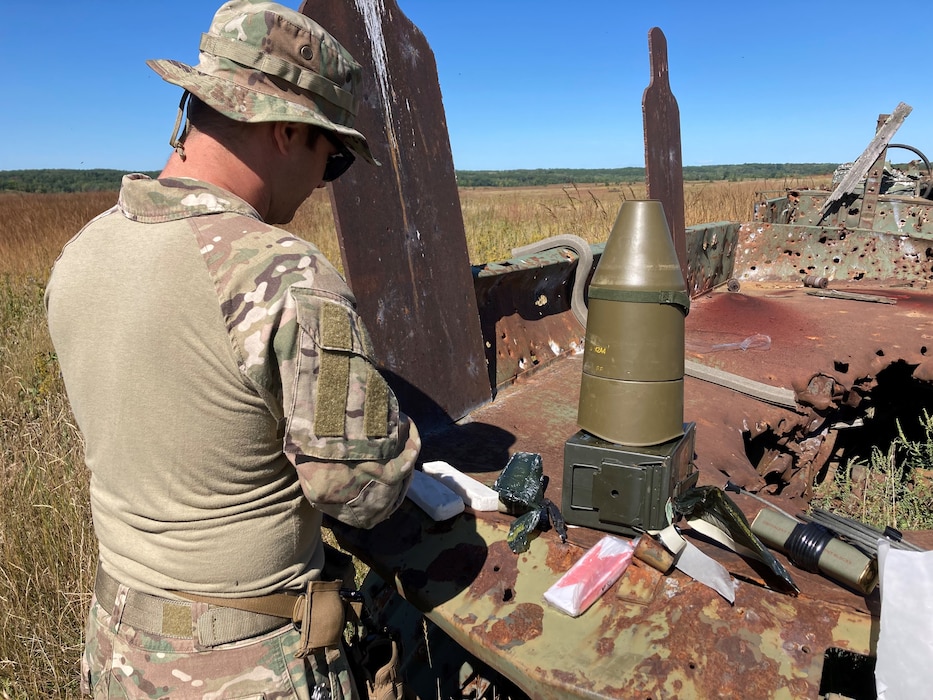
(263, 62)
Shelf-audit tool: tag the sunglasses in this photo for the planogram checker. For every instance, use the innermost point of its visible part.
(339, 162)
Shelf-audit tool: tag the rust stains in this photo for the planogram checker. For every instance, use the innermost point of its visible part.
(561, 557)
(523, 623)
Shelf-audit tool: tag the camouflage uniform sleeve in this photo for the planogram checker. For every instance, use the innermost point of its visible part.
(301, 345)
(352, 447)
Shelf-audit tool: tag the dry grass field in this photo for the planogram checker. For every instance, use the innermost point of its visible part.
(47, 548)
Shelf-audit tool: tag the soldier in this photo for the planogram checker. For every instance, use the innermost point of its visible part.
(223, 382)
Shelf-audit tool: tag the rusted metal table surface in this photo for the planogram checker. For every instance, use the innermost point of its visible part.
(845, 338)
(649, 635)
(837, 356)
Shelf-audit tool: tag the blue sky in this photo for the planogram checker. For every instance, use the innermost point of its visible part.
(526, 83)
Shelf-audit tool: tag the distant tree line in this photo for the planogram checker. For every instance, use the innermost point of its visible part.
(614, 176)
(109, 180)
(97, 180)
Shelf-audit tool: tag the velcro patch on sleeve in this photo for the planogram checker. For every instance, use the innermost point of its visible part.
(339, 406)
(376, 407)
(334, 378)
(336, 333)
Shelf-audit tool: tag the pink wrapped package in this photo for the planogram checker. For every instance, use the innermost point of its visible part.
(589, 578)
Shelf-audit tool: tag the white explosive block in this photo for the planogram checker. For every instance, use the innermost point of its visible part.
(435, 499)
(475, 494)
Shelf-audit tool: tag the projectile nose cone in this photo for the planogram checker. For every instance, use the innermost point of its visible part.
(640, 253)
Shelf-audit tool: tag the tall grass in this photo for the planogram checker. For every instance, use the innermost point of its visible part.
(47, 547)
(499, 219)
(892, 488)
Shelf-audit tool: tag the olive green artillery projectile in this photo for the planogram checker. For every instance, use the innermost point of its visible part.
(632, 392)
(634, 451)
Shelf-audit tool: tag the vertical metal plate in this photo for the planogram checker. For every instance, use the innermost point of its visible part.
(400, 225)
(664, 175)
(873, 182)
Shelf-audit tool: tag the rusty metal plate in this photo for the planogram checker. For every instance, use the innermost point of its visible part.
(674, 638)
(710, 255)
(649, 636)
(896, 214)
(525, 312)
(400, 226)
(653, 636)
(663, 163)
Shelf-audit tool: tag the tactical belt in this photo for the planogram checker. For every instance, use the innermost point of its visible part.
(319, 612)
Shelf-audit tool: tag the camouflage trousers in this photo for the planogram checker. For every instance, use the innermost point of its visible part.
(122, 662)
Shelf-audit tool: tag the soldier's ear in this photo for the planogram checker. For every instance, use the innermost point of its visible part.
(287, 136)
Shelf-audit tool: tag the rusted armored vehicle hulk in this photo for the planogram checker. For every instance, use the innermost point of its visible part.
(488, 360)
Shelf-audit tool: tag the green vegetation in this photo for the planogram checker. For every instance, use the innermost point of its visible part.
(109, 180)
(616, 176)
(46, 546)
(894, 487)
(62, 180)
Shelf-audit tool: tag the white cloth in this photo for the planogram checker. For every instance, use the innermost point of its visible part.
(904, 667)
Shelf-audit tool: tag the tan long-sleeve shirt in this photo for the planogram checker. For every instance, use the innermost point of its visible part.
(224, 386)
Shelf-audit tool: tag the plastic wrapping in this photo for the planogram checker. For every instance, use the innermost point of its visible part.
(520, 487)
(521, 483)
(904, 668)
(591, 575)
(712, 505)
